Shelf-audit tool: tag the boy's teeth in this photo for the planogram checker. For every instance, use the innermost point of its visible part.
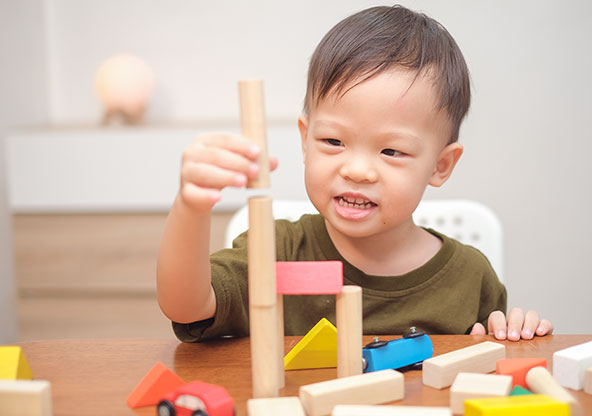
(351, 202)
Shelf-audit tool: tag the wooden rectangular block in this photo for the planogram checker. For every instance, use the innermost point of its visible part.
(440, 371)
(309, 277)
(477, 386)
(374, 410)
(378, 387)
(570, 364)
(275, 406)
(530, 405)
(25, 398)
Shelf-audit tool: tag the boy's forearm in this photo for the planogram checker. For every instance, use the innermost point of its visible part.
(184, 286)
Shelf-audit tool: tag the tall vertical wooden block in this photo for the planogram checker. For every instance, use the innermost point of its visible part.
(440, 371)
(263, 321)
(349, 331)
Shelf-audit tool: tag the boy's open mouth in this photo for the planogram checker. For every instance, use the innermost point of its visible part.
(357, 203)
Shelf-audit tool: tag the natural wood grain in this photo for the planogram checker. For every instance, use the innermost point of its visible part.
(93, 377)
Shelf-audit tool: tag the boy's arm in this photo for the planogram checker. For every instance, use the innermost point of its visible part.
(211, 163)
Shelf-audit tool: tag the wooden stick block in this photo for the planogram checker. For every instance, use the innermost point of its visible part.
(25, 397)
(440, 371)
(13, 364)
(384, 386)
(570, 364)
(374, 410)
(280, 340)
(317, 349)
(309, 277)
(261, 252)
(264, 347)
(540, 381)
(252, 111)
(518, 367)
(276, 406)
(530, 405)
(155, 384)
(476, 386)
(349, 331)
(588, 381)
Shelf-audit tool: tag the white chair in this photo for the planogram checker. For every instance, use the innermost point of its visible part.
(469, 222)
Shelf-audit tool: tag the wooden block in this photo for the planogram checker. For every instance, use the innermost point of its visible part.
(252, 110)
(519, 391)
(159, 381)
(570, 364)
(276, 406)
(25, 398)
(279, 309)
(588, 381)
(518, 367)
(531, 405)
(374, 410)
(349, 334)
(440, 371)
(13, 364)
(317, 349)
(540, 381)
(475, 386)
(309, 277)
(263, 323)
(384, 386)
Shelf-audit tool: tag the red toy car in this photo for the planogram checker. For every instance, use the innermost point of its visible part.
(196, 399)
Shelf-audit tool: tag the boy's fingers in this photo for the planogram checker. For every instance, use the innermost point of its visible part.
(273, 163)
(478, 329)
(208, 176)
(219, 157)
(497, 324)
(545, 328)
(531, 323)
(200, 198)
(515, 323)
(233, 142)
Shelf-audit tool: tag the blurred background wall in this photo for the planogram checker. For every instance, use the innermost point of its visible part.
(527, 137)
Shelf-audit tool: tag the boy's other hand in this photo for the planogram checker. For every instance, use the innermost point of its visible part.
(518, 325)
(213, 162)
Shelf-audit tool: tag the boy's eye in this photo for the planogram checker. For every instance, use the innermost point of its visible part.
(333, 142)
(391, 152)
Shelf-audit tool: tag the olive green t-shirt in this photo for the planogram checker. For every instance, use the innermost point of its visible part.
(447, 295)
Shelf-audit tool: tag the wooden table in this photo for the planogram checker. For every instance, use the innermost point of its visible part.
(94, 376)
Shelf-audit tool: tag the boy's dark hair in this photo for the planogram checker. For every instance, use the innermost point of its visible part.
(381, 38)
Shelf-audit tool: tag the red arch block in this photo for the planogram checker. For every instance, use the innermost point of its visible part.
(309, 277)
(518, 367)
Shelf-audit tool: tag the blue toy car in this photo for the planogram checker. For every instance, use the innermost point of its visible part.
(403, 353)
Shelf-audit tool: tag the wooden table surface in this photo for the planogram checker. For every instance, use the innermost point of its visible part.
(94, 376)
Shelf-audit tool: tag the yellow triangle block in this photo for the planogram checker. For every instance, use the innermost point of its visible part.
(13, 364)
(318, 348)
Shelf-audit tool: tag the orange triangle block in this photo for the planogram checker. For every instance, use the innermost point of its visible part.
(317, 349)
(159, 381)
(518, 367)
(13, 364)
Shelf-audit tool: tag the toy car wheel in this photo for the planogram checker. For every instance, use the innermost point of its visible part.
(199, 413)
(165, 408)
(376, 344)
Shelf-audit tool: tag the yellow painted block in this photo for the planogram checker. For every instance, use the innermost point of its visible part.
(529, 405)
(13, 364)
(317, 349)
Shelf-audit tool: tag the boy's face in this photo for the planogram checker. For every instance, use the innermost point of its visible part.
(370, 154)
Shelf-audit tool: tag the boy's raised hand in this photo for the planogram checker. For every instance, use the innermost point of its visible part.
(213, 162)
(518, 325)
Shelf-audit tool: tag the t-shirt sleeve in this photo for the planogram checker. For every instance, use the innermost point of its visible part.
(493, 296)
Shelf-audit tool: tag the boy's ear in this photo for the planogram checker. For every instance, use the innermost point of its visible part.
(446, 162)
(303, 127)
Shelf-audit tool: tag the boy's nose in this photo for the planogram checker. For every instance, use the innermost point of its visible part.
(359, 170)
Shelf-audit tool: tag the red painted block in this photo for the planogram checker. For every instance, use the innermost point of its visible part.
(518, 367)
(309, 277)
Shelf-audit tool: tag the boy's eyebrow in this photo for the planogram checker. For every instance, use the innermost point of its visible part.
(397, 135)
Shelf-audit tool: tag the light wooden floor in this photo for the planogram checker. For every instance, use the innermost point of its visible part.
(81, 276)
